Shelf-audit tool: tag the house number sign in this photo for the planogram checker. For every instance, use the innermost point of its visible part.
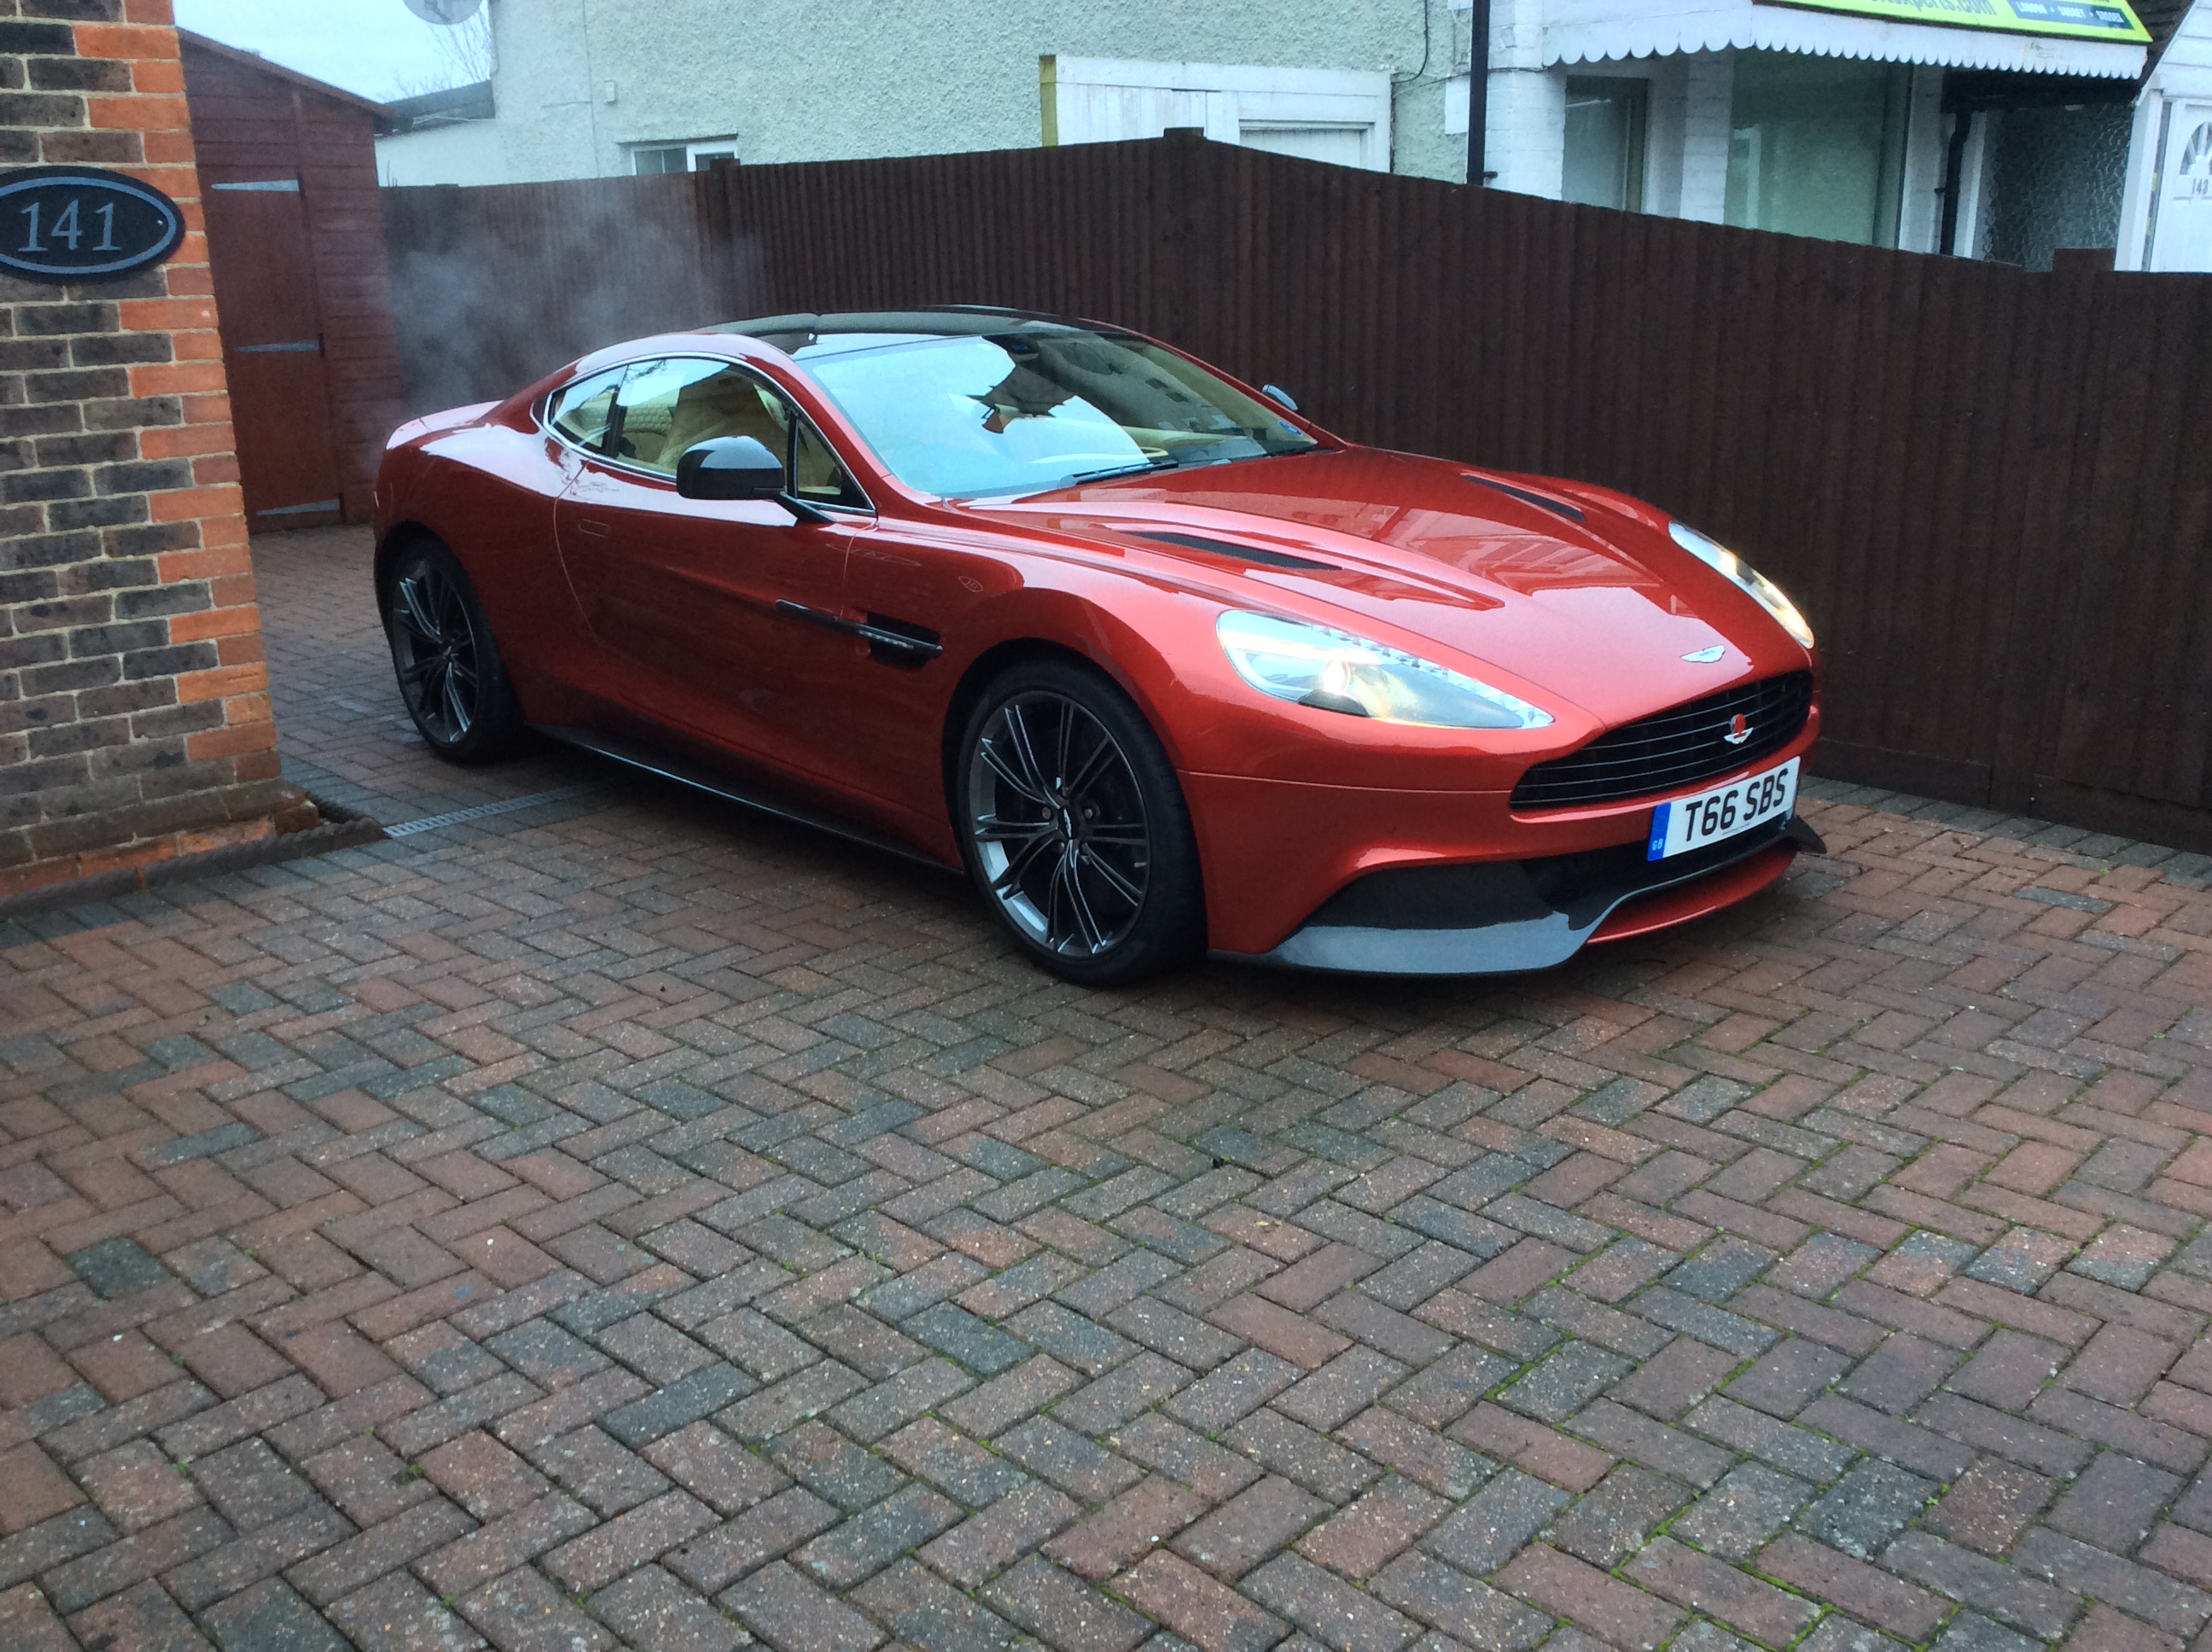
(82, 223)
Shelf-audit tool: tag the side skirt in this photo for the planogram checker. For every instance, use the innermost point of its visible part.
(752, 795)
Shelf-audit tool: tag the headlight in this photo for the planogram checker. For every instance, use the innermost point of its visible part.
(1313, 665)
(1764, 592)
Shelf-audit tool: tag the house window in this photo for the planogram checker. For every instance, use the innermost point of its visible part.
(1606, 119)
(1816, 146)
(647, 159)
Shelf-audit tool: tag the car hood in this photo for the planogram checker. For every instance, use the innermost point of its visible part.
(1603, 612)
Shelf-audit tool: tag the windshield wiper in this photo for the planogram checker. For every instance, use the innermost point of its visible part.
(1165, 462)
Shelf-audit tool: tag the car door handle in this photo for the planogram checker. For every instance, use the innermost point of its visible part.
(920, 647)
(597, 529)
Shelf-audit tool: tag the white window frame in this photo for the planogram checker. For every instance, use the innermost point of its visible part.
(693, 148)
(1104, 100)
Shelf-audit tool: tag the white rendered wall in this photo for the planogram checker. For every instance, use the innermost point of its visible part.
(466, 152)
(581, 83)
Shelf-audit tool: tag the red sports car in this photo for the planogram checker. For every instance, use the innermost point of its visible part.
(1161, 663)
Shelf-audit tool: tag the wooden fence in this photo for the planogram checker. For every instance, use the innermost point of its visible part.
(1976, 481)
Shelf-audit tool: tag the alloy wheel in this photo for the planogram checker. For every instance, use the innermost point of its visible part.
(1058, 821)
(434, 643)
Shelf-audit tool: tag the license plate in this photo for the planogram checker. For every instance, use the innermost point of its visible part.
(1685, 824)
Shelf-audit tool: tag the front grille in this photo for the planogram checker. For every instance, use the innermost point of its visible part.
(1673, 749)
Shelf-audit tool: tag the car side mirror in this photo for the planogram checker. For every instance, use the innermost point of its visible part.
(1277, 394)
(729, 467)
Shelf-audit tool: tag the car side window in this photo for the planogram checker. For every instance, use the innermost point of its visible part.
(583, 411)
(816, 474)
(669, 406)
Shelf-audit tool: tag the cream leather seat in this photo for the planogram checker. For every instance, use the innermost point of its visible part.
(728, 404)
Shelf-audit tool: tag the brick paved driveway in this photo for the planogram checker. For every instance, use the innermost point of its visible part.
(619, 1221)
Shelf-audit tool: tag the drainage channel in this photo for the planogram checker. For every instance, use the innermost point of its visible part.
(484, 811)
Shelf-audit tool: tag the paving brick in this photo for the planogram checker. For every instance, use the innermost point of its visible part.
(629, 1541)
(271, 1617)
(1249, 1527)
(1330, 1610)
(1530, 1446)
(138, 1618)
(1704, 1584)
(792, 1615)
(1150, 1512)
(1742, 1510)
(1232, 1390)
(986, 1544)
(2114, 1502)
(921, 1609)
(1289, 1335)
(1062, 1610)
(1211, 1470)
(1618, 1518)
(1564, 1586)
(37, 1490)
(28, 1624)
(2015, 1598)
(523, 1611)
(398, 1614)
(498, 1547)
(1367, 1536)
(651, 1608)
(1866, 1507)
(1295, 1452)
(758, 1535)
(1462, 1609)
(2081, 1570)
(1865, 1592)
(1490, 1528)
(1789, 1377)
(1201, 1611)
(483, 1475)
(1421, 1454)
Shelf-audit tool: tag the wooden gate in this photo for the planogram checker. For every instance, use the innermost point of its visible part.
(287, 169)
(272, 351)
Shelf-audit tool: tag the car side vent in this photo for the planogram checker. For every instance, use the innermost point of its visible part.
(1529, 496)
(1242, 553)
(902, 642)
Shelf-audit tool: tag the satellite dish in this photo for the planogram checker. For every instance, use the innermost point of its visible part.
(445, 13)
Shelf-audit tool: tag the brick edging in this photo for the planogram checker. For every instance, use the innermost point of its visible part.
(341, 828)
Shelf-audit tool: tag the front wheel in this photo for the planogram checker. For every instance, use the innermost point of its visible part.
(1074, 827)
(449, 672)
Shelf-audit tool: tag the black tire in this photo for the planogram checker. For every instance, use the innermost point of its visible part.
(1073, 826)
(449, 672)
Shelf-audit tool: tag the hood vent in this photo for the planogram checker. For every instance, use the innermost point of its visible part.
(1529, 496)
(1242, 553)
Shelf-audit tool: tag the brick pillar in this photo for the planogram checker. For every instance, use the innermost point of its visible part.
(134, 702)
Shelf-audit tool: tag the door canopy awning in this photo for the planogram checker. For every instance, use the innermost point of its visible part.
(2049, 37)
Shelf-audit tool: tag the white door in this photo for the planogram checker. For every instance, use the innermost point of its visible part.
(2182, 238)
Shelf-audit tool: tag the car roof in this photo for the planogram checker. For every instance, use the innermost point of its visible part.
(789, 333)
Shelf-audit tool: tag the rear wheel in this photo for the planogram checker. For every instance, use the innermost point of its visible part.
(1074, 827)
(449, 672)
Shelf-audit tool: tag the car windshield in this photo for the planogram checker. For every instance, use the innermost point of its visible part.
(1025, 412)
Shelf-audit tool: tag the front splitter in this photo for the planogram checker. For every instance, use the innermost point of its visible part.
(1497, 918)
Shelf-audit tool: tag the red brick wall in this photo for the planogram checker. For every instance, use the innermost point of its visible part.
(134, 705)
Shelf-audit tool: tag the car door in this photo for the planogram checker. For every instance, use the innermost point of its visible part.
(703, 606)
